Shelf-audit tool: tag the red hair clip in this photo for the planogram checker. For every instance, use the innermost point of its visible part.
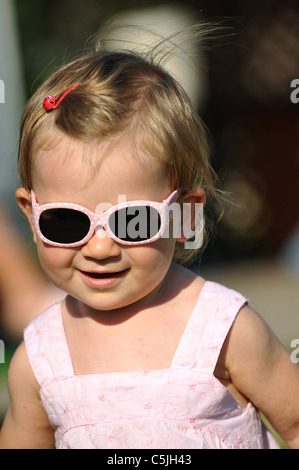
(50, 102)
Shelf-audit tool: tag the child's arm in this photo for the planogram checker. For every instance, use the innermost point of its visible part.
(26, 425)
(262, 370)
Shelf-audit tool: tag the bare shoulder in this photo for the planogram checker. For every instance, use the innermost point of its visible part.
(20, 369)
(252, 337)
(250, 344)
(261, 369)
(26, 424)
(249, 330)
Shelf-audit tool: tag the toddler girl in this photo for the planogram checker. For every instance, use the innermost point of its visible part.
(142, 352)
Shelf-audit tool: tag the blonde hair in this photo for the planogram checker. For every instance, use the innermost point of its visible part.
(123, 92)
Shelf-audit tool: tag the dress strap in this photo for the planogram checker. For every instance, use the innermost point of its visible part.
(209, 324)
(46, 346)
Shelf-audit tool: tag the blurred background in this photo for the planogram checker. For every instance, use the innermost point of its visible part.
(242, 90)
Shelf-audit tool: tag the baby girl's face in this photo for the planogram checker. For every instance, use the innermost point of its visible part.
(102, 273)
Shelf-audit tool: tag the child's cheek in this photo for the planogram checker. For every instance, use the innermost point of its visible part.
(154, 256)
(54, 258)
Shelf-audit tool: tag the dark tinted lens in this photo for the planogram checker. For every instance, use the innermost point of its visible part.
(64, 225)
(135, 224)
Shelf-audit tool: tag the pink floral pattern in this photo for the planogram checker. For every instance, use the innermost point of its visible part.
(183, 407)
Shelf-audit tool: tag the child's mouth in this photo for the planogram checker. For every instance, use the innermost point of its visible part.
(102, 279)
(96, 275)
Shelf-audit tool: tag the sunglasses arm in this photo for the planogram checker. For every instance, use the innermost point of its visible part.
(33, 199)
(173, 197)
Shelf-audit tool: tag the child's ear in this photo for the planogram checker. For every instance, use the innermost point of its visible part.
(23, 198)
(191, 205)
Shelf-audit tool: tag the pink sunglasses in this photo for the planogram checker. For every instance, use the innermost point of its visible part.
(129, 223)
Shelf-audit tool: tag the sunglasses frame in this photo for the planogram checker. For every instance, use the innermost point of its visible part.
(102, 219)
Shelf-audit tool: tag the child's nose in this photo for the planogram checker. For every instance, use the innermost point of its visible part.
(100, 246)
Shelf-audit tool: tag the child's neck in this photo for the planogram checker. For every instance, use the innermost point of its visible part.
(136, 337)
(163, 292)
(176, 279)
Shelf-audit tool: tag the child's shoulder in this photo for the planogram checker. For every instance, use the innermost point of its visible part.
(194, 285)
(22, 383)
(26, 424)
(47, 319)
